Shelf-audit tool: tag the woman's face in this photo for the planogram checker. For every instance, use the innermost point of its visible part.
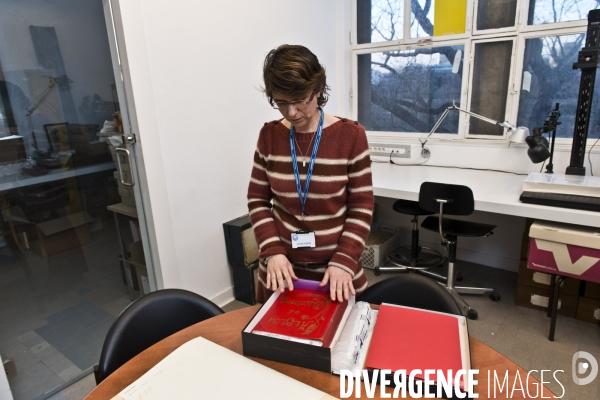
(300, 112)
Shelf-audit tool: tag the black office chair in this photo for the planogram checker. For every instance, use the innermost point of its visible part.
(413, 258)
(412, 290)
(147, 321)
(454, 200)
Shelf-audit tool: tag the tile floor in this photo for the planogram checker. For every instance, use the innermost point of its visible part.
(55, 311)
(517, 332)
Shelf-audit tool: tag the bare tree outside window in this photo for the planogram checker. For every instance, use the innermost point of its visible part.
(552, 11)
(408, 90)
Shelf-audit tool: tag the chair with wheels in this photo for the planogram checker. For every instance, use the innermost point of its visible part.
(413, 258)
(454, 200)
(412, 290)
(147, 321)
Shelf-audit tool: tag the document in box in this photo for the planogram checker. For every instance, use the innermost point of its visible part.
(203, 369)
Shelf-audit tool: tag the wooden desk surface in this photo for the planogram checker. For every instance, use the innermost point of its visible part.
(226, 329)
(495, 192)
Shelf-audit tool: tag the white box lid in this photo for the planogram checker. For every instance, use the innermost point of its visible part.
(583, 236)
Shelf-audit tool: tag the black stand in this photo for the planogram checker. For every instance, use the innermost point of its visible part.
(550, 125)
(587, 61)
(553, 303)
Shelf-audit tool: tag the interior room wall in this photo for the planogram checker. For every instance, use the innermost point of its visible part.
(196, 77)
(81, 35)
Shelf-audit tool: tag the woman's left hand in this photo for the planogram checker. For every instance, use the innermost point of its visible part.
(340, 283)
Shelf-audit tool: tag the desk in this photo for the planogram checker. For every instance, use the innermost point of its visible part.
(494, 192)
(226, 329)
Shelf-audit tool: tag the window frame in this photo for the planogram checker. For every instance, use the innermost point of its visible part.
(518, 33)
(518, 68)
(403, 47)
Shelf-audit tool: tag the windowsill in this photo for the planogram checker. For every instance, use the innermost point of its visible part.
(388, 138)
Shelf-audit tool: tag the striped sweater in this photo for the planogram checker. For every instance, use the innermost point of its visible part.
(339, 207)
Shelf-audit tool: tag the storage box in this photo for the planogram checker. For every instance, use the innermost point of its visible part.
(539, 298)
(564, 249)
(530, 277)
(589, 310)
(90, 148)
(316, 357)
(287, 351)
(136, 252)
(58, 235)
(378, 245)
(592, 290)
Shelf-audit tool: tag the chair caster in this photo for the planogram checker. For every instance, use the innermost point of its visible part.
(459, 277)
(377, 271)
(472, 314)
(495, 296)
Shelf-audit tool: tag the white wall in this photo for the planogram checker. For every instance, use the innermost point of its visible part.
(195, 74)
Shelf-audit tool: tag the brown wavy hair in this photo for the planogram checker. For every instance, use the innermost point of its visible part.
(294, 71)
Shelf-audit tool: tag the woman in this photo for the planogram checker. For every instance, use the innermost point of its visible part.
(310, 195)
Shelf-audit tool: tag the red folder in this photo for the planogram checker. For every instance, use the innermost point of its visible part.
(304, 314)
(409, 339)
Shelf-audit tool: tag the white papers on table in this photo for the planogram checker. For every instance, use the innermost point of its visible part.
(203, 369)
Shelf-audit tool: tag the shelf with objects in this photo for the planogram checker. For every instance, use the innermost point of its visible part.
(132, 260)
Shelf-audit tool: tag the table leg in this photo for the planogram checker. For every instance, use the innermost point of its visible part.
(554, 305)
(552, 287)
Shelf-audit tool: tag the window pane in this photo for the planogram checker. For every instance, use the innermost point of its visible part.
(379, 20)
(494, 14)
(551, 11)
(491, 71)
(421, 18)
(407, 91)
(450, 16)
(548, 78)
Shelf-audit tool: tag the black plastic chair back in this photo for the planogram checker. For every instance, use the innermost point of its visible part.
(460, 198)
(411, 290)
(147, 321)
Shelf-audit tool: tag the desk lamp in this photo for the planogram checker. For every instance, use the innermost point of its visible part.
(517, 134)
(539, 147)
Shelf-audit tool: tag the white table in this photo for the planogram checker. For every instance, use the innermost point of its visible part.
(494, 192)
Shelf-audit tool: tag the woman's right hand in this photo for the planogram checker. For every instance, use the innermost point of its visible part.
(278, 270)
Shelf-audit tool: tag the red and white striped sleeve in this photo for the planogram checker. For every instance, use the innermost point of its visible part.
(259, 204)
(360, 208)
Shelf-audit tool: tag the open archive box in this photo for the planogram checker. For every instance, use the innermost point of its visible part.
(392, 337)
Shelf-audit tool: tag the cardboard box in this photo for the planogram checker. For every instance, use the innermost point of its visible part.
(12, 149)
(286, 351)
(126, 177)
(539, 298)
(136, 251)
(90, 148)
(58, 235)
(530, 277)
(127, 196)
(79, 133)
(589, 310)
(563, 249)
(592, 290)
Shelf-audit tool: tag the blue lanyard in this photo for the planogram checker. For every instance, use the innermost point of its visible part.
(304, 195)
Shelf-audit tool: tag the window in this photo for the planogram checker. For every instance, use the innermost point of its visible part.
(504, 59)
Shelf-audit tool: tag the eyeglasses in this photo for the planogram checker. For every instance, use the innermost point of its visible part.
(284, 105)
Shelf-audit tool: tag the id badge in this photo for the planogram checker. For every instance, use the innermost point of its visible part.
(302, 239)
